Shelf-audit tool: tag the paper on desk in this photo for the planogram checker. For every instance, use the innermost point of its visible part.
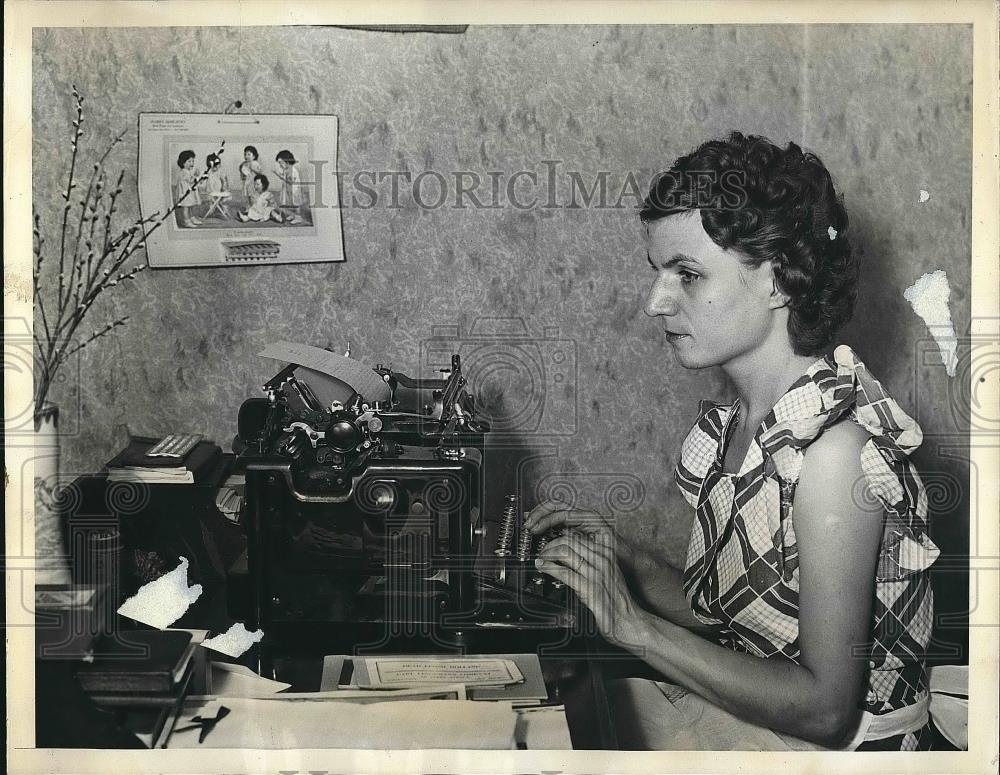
(442, 692)
(388, 672)
(950, 679)
(197, 636)
(543, 729)
(240, 681)
(333, 666)
(274, 723)
(359, 377)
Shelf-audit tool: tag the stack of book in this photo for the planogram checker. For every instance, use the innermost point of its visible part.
(144, 675)
(134, 464)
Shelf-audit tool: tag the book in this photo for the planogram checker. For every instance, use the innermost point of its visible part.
(138, 661)
(132, 464)
(141, 700)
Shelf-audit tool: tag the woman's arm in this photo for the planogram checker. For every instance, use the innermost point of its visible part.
(659, 588)
(838, 542)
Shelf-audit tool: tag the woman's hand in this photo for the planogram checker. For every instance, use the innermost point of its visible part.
(586, 563)
(554, 514)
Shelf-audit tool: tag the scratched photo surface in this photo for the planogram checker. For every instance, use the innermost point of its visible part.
(490, 184)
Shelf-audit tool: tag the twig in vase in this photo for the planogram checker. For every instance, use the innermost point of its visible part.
(92, 262)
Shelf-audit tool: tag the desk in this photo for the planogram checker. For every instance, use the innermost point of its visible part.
(574, 681)
(183, 519)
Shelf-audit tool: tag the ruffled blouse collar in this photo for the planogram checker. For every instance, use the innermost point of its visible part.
(828, 390)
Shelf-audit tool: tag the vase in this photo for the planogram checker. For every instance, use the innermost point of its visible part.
(52, 563)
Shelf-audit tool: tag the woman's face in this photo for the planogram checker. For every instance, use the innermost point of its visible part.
(258, 186)
(248, 155)
(189, 164)
(713, 308)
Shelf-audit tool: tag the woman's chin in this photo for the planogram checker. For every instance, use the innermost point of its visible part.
(686, 360)
(692, 360)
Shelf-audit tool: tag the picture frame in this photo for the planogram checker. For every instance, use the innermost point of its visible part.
(240, 189)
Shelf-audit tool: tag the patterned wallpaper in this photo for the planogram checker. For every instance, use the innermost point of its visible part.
(887, 108)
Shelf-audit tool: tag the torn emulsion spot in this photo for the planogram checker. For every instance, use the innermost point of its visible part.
(234, 641)
(924, 195)
(832, 232)
(17, 286)
(929, 298)
(162, 601)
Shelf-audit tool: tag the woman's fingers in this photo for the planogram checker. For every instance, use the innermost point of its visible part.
(563, 551)
(595, 546)
(585, 563)
(547, 515)
(564, 562)
(581, 553)
(567, 576)
(551, 514)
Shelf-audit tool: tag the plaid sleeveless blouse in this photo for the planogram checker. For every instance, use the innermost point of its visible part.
(742, 563)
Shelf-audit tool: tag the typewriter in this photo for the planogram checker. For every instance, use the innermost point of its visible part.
(368, 510)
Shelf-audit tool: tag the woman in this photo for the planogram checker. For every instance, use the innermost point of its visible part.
(805, 607)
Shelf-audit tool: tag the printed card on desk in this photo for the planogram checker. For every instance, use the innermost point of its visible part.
(389, 672)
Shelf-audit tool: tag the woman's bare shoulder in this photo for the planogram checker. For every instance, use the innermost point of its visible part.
(832, 466)
(844, 438)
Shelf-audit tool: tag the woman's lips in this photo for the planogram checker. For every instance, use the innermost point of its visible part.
(672, 337)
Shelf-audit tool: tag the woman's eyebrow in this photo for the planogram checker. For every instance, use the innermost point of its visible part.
(675, 259)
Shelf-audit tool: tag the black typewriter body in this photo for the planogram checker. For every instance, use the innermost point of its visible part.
(368, 513)
(400, 544)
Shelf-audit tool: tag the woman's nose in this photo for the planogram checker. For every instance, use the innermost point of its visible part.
(660, 300)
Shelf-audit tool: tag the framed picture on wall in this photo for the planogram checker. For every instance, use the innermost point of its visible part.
(239, 189)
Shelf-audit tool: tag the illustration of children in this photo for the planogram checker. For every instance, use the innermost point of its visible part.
(187, 189)
(292, 198)
(262, 207)
(249, 169)
(216, 187)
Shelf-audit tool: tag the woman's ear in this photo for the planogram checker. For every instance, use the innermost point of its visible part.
(778, 298)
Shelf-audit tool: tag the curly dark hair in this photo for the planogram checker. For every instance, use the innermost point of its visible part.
(776, 205)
